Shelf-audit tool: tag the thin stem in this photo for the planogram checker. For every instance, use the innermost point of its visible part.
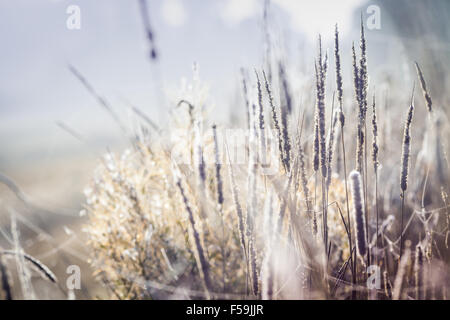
(222, 252)
(324, 217)
(376, 209)
(352, 261)
(315, 204)
(365, 194)
(401, 229)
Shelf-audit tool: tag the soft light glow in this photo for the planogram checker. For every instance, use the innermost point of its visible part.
(318, 16)
(307, 17)
(174, 13)
(236, 11)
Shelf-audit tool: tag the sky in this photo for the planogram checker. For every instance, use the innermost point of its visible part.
(111, 51)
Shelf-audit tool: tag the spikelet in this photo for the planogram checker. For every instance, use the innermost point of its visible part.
(261, 124)
(363, 76)
(358, 95)
(252, 205)
(355, 75)
(321, 69)
(285, 87)
(406, 148)
(245, 93)
(439, 153)
(240, 217)
(362, 82)
(358, 212)
(219, 180)
(285, 110)
(331, 144)
(199, 158)
(423, 85)
(274, 118)
(303, 178)
(316, 146)
(337, 59)
(375, 136)
(305, 188)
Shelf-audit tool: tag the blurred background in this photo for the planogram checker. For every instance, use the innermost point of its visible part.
(52, 131)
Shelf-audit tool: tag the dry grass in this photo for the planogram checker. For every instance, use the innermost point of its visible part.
(162, 229)
(216, 229)
(284, 223)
